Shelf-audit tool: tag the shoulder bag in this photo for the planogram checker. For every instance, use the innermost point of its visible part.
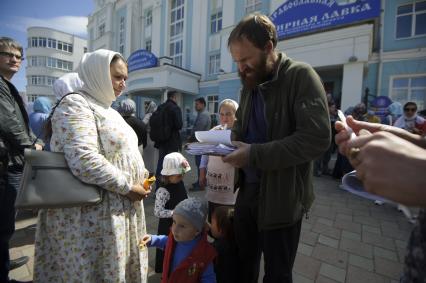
(47, 181)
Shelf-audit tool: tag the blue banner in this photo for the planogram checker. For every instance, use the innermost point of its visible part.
(295, 17)
(142, 59)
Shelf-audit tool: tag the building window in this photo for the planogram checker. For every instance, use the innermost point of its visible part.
(101, 30)
(216, 22)
(177, 15)
(42, 80)
(51, 43)
(121, 35)
(176, 52)
(213, 104)
(406, 89)
(148, 20)
(253, 6)
(411, 20)
(34, 42)
(148, 45)
(214, 64)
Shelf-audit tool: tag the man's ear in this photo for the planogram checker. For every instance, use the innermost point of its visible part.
(269, 47)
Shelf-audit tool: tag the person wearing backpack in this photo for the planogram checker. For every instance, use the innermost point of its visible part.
(165, 124)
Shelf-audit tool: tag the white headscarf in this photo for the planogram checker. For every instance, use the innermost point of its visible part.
(95, 74)
(67, 83)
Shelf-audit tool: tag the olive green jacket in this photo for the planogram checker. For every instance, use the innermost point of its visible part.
(298, 132)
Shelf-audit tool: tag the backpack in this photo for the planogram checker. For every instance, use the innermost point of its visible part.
(161, 131)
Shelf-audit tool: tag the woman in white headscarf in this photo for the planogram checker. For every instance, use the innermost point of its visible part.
(96, 243)
(67, 83)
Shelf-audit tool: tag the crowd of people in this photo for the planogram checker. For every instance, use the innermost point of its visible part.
(283, 130)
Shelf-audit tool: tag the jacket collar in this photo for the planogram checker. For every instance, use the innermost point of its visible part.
(282, 62)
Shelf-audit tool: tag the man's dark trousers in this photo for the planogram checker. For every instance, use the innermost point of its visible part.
(8, 191)
(279, 246)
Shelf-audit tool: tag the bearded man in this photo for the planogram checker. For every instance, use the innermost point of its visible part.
(282, 125)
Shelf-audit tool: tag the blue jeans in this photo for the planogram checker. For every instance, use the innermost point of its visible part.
(8, 190)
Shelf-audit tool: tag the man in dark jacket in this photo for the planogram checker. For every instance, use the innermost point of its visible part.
(174, 120)
(282, 125)
(202, 123)
(16, 135)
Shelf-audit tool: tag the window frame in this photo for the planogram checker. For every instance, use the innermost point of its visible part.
(176, 31)
(216, 22)
(413, 15)
(409, 88)
(148, 18)
(213, 66)
(213, 101)
(252, 6)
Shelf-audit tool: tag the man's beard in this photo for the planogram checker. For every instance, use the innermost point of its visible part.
(260, 74)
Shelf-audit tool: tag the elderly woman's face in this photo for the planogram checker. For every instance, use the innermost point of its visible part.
(227, 115)
(118, 71)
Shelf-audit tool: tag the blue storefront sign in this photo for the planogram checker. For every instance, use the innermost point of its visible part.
(295, 17)
(142, 59)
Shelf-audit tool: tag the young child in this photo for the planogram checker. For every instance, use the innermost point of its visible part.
(168, 195)
(216, 175)
(222, 229)
(188, 256)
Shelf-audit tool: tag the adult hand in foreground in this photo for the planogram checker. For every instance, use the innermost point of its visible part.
(238, 158)
(391, 167)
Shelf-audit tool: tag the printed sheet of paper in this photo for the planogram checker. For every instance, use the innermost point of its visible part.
(218, 136)
(217, 142)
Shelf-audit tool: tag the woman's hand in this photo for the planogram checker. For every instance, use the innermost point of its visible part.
(137, 192)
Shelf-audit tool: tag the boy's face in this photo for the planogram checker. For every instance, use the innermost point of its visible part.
(182, 229)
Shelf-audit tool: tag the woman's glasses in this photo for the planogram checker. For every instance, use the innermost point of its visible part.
(11, 55)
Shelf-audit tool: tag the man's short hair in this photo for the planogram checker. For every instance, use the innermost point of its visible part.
(201, 100)
(256, 28)
(7, 43)
(171, 93)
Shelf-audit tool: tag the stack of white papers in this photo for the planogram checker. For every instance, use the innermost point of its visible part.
(216, 142)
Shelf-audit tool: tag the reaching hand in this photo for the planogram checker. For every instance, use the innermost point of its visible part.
(391, 167)
(144, 241)
(240, 157)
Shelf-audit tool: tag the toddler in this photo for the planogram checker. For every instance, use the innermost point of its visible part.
(168, 195)
(222, 229)
(188, 257)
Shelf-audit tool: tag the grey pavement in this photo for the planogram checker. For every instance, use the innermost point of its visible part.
(345, 239)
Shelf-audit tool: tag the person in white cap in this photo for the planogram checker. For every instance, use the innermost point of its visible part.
(168, 195)
(188, 255)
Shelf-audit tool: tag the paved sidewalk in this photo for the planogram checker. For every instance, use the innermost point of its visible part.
(345, 239)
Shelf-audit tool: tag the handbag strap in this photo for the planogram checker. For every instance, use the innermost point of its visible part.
(49, 119)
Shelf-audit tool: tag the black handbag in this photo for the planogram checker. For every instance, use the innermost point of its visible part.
(47, 181)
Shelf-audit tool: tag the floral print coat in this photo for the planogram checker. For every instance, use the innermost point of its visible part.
(94, 243)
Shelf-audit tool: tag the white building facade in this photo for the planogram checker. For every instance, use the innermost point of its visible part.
(50, 54)
(383, 52)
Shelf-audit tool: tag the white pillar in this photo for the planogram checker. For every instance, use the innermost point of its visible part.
(352, 84)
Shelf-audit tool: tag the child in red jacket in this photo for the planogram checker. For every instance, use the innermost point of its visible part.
(188, 257)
